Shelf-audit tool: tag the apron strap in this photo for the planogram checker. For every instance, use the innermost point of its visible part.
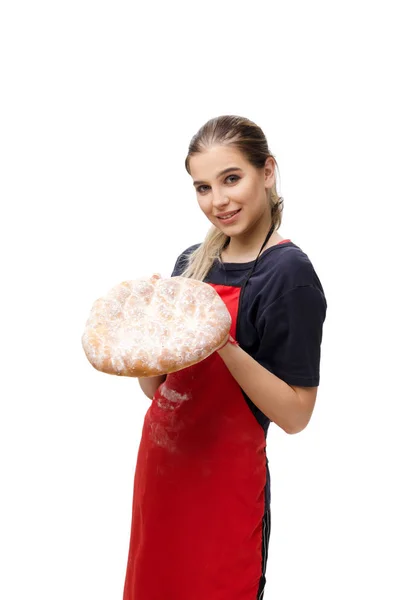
(256, 260)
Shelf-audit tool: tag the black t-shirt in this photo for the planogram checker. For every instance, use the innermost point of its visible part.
(281, 313)
(280, 319)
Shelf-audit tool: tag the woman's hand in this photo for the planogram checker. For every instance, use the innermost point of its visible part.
(223, 342)
(228, 339)
(150, 385)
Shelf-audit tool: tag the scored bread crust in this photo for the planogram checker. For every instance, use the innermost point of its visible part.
(155, 326)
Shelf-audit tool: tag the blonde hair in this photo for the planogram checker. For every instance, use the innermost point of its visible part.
(249, 138)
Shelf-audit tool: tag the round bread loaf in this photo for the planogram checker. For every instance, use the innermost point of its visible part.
(155, 326)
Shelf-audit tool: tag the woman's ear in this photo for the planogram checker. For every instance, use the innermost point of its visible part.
(269, 172)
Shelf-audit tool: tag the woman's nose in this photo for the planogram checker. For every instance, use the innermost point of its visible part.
(219, 199)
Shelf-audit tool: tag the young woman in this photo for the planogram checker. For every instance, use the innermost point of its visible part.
(201, 509)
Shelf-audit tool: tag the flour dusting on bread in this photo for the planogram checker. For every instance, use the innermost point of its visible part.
(155, 326)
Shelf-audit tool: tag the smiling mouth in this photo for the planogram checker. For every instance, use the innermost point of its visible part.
(229, 216)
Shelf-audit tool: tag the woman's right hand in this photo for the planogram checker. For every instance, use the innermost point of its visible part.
(150, 385)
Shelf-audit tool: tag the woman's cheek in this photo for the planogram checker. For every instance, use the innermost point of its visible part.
(205, 207)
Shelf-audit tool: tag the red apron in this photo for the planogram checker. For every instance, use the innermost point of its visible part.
(199, 490)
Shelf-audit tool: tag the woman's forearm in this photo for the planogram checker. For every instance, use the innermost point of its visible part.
(275, 398)
(149, 385)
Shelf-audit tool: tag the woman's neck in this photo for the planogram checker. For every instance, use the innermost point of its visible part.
(245, 248)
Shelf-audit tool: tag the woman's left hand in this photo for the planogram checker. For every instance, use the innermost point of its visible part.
(223, 343)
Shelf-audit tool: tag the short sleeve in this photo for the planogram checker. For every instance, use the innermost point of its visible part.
(290, 331)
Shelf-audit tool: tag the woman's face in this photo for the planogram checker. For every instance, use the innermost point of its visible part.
(226, 182)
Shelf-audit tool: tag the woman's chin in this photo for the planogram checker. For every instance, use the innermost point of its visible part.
(232, 229)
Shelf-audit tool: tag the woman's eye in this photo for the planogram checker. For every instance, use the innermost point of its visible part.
(236, 177)
(200, 188)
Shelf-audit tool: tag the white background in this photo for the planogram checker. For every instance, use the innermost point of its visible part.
(99, 101)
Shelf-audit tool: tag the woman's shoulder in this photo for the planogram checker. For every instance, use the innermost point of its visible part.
(182, 259)
(292, 260)
(290, 268)
(189, 250)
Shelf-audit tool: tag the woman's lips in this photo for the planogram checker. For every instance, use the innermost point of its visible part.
(231, 219)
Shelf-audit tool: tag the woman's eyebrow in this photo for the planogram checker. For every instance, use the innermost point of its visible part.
(221, 173)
